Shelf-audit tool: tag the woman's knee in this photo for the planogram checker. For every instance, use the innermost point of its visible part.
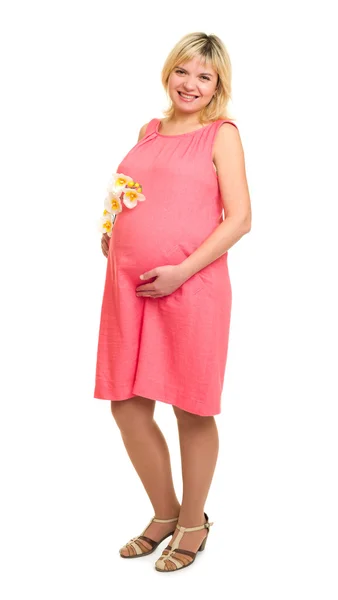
(133, 413)
(185, 418)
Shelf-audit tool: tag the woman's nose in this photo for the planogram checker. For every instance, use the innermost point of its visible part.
(189, 85)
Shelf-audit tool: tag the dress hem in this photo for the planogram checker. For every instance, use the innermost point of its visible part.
(136, 391)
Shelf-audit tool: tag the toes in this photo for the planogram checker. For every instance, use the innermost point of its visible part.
(137, 547)
(128, 550)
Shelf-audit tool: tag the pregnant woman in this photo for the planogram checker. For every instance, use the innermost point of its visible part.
(166, 305)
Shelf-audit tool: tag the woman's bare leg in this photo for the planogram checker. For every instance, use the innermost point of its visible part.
(149, 454)
(199, 446)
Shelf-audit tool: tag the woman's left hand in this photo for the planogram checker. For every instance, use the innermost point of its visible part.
(168, 278)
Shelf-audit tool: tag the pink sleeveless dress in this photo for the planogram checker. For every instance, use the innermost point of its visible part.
(174, 348)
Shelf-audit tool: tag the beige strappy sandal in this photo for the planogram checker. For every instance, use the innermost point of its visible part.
(136, 548)
(174, 558)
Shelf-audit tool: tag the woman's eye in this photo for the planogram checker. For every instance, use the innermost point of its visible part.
(204, 76)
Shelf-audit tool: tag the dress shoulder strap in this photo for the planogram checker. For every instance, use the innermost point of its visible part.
(213, 131)
(217, 124)
(151, 127)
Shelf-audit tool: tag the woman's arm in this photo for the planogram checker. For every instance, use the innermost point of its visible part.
(230, 164)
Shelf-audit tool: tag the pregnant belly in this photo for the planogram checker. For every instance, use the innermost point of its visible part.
(126, 267)
(137, 247)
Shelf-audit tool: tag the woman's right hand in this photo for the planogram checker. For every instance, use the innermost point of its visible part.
(105, 244)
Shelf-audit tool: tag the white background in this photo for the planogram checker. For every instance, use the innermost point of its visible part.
(79, 79)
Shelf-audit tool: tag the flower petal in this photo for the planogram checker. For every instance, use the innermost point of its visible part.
(130, 197)
(113, 204)
(105, 224)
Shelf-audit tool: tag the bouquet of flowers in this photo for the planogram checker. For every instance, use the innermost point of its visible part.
(121, 189)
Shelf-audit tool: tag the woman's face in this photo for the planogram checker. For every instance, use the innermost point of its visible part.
(194, 79)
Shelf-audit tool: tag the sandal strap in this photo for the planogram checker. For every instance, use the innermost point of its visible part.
(164, 520)
(182, 531)
(206, 525)
(155, 520)
(149, 540)
(181, 551)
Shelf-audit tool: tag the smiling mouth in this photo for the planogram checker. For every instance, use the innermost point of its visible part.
(187, 96)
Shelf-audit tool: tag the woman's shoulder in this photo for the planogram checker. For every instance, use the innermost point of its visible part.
(142, 131)
(144, 128)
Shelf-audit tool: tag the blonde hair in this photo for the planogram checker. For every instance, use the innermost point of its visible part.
(210, 49)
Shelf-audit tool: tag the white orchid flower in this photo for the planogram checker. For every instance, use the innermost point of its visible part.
(132, 197)
(121, 188)
(118, 181)
(106, 222)
(112, 203)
